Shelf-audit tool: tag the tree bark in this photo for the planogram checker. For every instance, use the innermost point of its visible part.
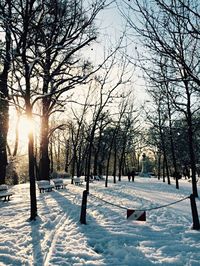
(44, 164)
(4, 105)
(115, 161)
(4, 117)
(192, 155)
(32, 176)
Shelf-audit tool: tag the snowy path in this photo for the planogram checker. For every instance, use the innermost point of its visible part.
(57, 237)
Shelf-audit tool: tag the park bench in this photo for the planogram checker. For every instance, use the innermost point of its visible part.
(58, 183)
(4, 193)
(44, 185)
(77, 181)
(91, 180)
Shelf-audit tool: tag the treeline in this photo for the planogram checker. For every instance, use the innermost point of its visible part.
(45, 67)
(44, 57)
(169, 57)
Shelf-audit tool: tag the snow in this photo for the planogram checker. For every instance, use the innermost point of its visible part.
(108, 238)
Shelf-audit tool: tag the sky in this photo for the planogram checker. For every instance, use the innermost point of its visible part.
(111, 26)
(108, 238)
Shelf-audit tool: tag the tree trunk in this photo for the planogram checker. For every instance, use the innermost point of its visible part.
(167, 168)
(32, 177)
(192, 156)
(107, 166)
(44, 164)
(4, 117)
(172, 143)
(115, 161)
(121, 160)
(16, 135)
(67, 157)
(95, 163)
(96, 156)
(191, 140)
(58, 158)
(31, 157)
(121, 165)
(163, 170)
(89, 158)
(109, 157)
(159, 165)
(51, 156)
(4, 105)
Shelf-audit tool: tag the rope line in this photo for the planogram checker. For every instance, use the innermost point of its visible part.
(148, 209)
(163, 206)
(110, 203)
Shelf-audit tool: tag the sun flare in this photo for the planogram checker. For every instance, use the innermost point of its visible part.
(26, 126)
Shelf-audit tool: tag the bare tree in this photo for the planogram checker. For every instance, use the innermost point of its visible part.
(24, 33)
(168, 29)
(5, 62)
(108, 86)
(129, 129)
(62, 37)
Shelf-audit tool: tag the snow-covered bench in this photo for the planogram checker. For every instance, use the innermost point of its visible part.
(77, 181)
(4, 193)
(101, 177)
(58, 183)
(44, 185)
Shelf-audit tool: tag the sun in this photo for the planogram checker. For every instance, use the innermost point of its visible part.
(25, 127)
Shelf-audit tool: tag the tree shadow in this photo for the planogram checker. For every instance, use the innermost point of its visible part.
(112, 247)
(38, 256)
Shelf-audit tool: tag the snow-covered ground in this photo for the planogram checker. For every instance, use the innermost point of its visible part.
(58, 238)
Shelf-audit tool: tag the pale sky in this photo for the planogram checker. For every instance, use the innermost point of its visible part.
(111, 26)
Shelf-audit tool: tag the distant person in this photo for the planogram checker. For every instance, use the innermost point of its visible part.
(133, 175)
(186, 172)
(177, 175)
(129, 176)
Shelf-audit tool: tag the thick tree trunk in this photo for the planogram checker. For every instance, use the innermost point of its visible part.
(4, 105)
(4, 117)
(32, 177)
(31, 157)
(44, 164)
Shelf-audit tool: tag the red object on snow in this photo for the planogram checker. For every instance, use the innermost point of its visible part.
(136, 215)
